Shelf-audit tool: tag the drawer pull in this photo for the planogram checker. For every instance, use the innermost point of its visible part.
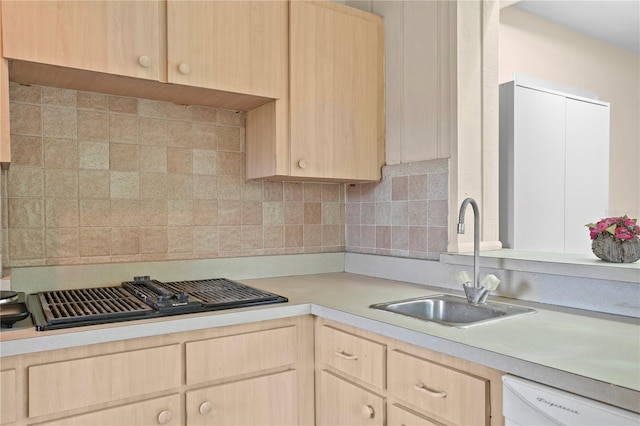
(368, 412)
(164, 417)
(342, 354)
(420, 387)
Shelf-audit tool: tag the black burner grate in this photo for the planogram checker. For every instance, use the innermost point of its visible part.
(221, 292)
(64, 306)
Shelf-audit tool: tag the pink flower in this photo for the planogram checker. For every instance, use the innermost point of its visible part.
(621, 228)
(624, 233)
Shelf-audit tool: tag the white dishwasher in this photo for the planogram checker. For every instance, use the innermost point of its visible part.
(527, 403)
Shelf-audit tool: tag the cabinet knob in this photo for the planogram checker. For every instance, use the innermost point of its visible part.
(302, 164)
(368, 412)
(206, 407)
(184, 68)
(164, 417)
(144, 61)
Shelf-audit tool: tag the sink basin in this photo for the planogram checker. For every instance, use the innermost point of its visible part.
(453, 311)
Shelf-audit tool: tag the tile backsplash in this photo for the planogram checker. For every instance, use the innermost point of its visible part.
(96, 178)
(404, 215)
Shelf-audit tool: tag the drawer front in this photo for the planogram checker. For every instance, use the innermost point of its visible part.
(398, 416)
(66, 385)
(8, 389)
(361, 358)
(449, 394)
(239, 354)
(264, 400)
(158, 411)
(340, 402)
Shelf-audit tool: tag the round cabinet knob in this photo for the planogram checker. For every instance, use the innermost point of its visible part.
(205, 408)
(164, 417)
(368, 412)
(302, 164)
(144, 61)
(184, 68)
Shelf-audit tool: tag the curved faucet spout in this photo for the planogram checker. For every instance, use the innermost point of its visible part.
(476, 236)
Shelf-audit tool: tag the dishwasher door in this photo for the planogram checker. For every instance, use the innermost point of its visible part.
(528, 403)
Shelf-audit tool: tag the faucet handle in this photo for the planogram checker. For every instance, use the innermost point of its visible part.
(463, 278)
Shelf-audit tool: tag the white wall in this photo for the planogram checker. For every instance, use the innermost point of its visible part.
(537, 47)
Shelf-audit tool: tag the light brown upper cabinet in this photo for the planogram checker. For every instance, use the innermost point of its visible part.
(114, 37)
(332, 128)
(236, 46)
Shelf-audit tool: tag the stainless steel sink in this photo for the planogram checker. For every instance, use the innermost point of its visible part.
(453, 311)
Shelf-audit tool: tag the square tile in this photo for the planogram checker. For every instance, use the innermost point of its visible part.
(26, 150)
(93, 155)
(153, 186)
(123, 157)
(93, 125)
(94, 184)
(59, 122)
(60, 183)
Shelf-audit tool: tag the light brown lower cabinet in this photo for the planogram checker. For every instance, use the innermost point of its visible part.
(340, 402)
(417, 386)
(258, 373)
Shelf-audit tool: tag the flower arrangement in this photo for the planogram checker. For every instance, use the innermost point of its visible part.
(621, 228)
(616, 239)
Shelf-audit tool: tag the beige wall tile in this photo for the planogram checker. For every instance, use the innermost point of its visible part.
(252, 190)
(179, 160)
(418, 238)
(124, 185)
(126, 213)
(273, 191)
(123, 105)
(180, 239)
(331, 193)
(312, 192)
(180, 134)
(368, 213)
(25, 93)
(25, 212)
(62, 242)
(368, 236)
(229, 138)
(273, 213)
(26, 244)
(331, 213)
(312, 213)
(400, 188)
(123, 128)
(153, 186)
(274, 236)
(95, 213)
(179, 186)
(312, 235)
(437, 240)
(205, 187)
(61, 213)
(208, 115)
(229, 238)
(25, 119)
(26, 151)
(179, 112)
(228, 117)
(331, 235)
(293, 235)
(292, 191)
(205, 136)
(93, 125)
(205, 212)
(368, 192)
(25, 181)
(418, 187)
(93, 155)
(229, 212)
(150, 108)
(153, 240)
(251, 213)
(60, 183)
(438, 213)
(383, 237)
(230, 164)
(95, 242)
(59, 97)
(94, 184)
(204, 162)
(123, 157)
(90, 100)
(125, 241)
(252, 237)
(180, 212)
(153, 159)
(293, 213)
(152, 131)
(229, 187)
(419, 212)
(399, 238)
(154, 213)
(205, 241)
(60, 153)
(59, 122)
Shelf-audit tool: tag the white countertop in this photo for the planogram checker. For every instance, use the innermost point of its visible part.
(595, 355)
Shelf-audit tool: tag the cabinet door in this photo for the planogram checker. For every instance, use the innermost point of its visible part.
(158, 411)
(235, 46)
(265, 400)
(587, 171)
(336, 91)
(342, 403)
(115, 37)
(402, 417)
(8, 390)
(538, 170)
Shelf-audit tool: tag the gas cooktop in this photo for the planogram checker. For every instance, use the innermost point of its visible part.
(139, 299)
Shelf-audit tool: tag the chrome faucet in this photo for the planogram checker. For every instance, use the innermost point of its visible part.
(474, 291)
